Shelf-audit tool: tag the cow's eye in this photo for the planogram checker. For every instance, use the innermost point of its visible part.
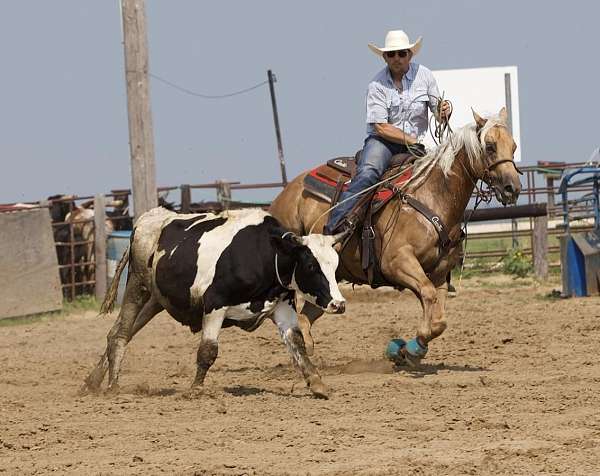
(311, 267)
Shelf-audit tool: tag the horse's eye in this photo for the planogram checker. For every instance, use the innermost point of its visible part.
(491, 148)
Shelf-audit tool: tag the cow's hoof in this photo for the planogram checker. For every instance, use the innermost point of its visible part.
(318, 388)
(87, 389)
(195, 392)
(113, 389)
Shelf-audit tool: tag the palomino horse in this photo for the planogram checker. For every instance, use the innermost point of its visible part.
(407, 243)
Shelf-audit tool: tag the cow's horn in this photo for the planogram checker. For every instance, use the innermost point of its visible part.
(292, 237)
(341, 236)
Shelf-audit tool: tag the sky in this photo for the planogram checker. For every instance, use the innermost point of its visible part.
(63, 109)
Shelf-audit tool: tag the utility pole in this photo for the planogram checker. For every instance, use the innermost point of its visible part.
(272, 80)
(141, 137)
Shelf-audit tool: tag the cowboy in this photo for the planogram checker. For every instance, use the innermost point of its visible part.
(398, 99)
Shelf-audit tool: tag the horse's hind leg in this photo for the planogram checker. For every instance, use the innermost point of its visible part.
(309, 314)
(438, 318)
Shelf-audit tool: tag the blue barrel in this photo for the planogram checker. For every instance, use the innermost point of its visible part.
(116, 244)
(572, 264)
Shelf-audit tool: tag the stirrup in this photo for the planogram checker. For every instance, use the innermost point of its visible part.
(346, 225)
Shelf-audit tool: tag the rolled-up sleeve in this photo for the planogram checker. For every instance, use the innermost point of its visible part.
(377, 112)
(434, 94)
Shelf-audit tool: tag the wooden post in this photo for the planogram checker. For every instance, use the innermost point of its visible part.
(540, 247)
(508, 100)
(550, 194)
(272, 80)
(224, 193)
(100, 246)
(186, 198)
(141, 139)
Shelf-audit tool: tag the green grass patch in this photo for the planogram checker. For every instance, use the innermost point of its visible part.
(78, 305)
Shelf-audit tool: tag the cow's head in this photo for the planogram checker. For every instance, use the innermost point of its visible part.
(314, 265)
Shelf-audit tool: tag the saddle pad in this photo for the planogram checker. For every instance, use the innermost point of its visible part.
(322, 181)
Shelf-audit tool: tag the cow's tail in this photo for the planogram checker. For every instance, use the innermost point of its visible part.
(111, 295)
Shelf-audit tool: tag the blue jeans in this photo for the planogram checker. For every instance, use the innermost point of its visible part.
(375, 159)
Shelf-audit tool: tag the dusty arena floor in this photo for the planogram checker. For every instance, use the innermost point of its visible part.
(512, 387)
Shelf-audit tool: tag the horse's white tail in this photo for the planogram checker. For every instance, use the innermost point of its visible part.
(109, 300)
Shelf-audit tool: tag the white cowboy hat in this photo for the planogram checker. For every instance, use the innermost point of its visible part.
(397, 40)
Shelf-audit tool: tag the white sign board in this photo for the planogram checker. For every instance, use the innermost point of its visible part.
(486, 90)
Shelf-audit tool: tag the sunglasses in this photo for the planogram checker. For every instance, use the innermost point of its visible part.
(401, 53)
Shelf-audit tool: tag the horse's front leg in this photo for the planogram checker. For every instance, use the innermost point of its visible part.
(406, 271)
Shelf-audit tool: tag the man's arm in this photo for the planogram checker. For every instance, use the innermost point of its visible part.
(393, 134)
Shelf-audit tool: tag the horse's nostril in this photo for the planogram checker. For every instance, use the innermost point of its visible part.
(509, 189)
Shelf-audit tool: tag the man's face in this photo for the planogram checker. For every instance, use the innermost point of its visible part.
(398, 61)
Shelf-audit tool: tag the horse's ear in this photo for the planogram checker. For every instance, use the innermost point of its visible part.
(480, 121)
(503, 115)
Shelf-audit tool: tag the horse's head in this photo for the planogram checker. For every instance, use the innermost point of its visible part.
(498, 169)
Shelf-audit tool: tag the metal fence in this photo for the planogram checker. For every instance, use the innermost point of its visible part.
(77, 265)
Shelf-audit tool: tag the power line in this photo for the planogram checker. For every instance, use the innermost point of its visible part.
(206, 96)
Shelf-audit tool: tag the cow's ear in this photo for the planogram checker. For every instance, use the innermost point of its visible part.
(286, 243)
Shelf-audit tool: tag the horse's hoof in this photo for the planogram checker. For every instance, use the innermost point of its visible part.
(411, 360)
(318, 388)
(394, 349)
(452, 293)
(414, 352)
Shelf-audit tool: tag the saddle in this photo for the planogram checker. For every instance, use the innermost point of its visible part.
(329, 180)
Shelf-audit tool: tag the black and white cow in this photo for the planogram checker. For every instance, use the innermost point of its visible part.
(212, 271)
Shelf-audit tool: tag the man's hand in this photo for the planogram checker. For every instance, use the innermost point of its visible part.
(444, 111)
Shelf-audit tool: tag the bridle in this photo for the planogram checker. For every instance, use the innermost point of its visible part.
(493, 165)
(486, 176)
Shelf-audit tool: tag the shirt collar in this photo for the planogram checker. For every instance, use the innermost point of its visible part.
(410, 74)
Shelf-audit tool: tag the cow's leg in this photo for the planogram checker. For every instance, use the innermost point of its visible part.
(286, 320)
(209, 345)
(405, 269)
(135, 299)
(96, 376)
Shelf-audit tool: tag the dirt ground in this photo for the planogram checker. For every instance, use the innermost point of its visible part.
(512, 387)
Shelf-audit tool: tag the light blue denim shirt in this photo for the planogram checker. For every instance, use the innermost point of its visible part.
(406, 108)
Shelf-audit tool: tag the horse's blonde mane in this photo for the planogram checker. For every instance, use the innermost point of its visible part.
(444, 154)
